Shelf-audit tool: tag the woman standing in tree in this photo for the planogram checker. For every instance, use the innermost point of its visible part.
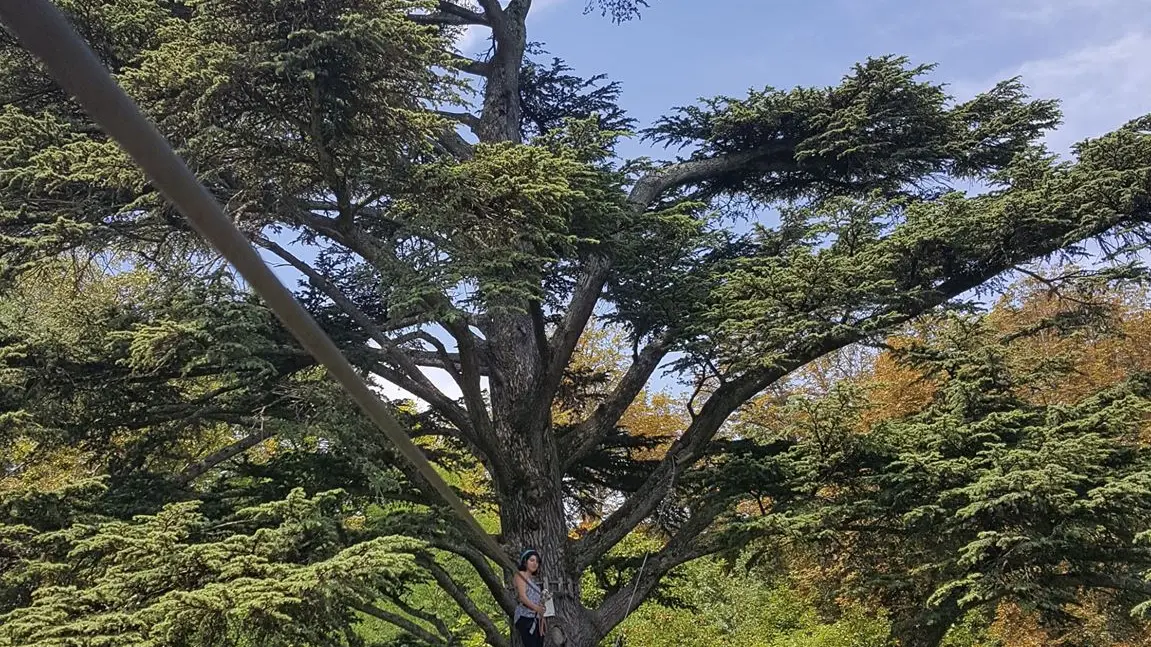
(529, 615)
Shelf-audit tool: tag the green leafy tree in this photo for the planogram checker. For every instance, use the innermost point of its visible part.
(187, 394)
(710, 602)
(982, 497)
(178, 578)
(337, 125)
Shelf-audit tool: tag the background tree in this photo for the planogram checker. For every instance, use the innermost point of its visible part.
(999, 489)
(713, 602)
(331, 132)
(184, 394)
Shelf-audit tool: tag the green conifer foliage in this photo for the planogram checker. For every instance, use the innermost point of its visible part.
(273, 574)
(982, 497)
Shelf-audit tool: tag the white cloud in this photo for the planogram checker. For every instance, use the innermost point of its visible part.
(1101, 86)
(471, 39)
(1054, 11)
(1092, 55)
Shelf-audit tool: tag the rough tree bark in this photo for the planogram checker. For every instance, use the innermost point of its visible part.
(524, 364)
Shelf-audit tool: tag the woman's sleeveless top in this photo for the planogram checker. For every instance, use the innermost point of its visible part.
(533, 593)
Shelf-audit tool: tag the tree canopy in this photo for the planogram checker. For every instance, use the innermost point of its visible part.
(470, 216)
(981, 496)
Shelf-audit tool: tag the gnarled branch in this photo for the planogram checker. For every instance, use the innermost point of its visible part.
(429, 618)
(593, 275)
(591, 432)
(413, 379)
(448, 361)
(472, 367)
(650, 187)
(465, 118)
(490, 578)
(401, 622)
(449, 13)
(383, 260)
(475, 68)
(685, 546)
(224, 454)
(455, 145)
(690, 446)
(497, 19)
(492, 633)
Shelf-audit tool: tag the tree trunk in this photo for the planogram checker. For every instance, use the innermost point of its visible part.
(532, 511)
(500, 117)
(533, 517)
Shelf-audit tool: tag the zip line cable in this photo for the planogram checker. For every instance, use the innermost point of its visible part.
(45, 32)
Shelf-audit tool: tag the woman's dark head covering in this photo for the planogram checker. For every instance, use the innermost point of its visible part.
(524, 556)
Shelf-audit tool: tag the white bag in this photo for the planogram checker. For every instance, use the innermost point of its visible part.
(549, 606)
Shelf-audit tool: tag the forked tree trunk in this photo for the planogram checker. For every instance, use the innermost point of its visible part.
(530, 491)
(532, 511)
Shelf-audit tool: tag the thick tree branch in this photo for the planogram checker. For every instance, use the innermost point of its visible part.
(439, 356)
(592, 277)
(492, 633)
(414, 379)
(497, 19)
(434, 359)
(491, 7)
(472, 367)
(429, 618)
(684, 547)
(441, 18)
(465, 369)
(450, 361)
(401, 622)
(450, 13)
(652, 186)
(455, 145)
(448, 6)
(383, 260)
(482, 567)
(475, 68)
(591, 432)
(690, 446)
(482, 448)
(444, 405)
(224, 454)
(465, 118)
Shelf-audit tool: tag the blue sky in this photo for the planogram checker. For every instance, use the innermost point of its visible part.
(1095, 55)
